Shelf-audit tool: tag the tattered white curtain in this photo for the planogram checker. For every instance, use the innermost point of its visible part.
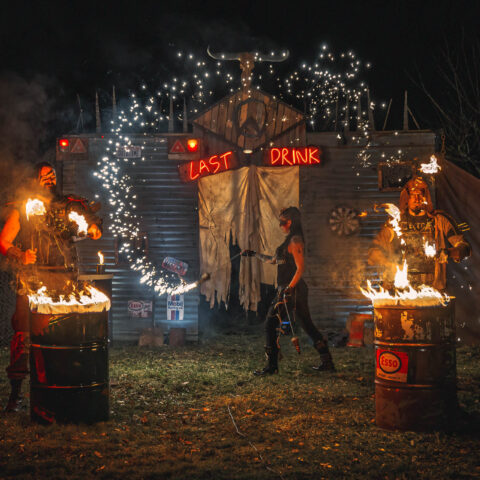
(242, 206)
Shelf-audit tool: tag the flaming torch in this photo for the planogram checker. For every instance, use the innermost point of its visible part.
(100, 264)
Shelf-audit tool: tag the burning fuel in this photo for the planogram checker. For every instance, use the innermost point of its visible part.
(34, 207)
(80, 221)
(101, 258)
(89, 299)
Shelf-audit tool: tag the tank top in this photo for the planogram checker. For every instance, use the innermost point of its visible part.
(286, 266)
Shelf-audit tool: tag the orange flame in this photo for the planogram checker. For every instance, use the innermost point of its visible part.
(34, 207)
(90, 300)
(431, 167)
(430, 249)
(80, 221)
(100, 257)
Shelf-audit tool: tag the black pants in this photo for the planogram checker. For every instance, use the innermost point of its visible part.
(299, 313)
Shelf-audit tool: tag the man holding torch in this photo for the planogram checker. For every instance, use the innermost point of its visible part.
(420, 237)
(39, 233)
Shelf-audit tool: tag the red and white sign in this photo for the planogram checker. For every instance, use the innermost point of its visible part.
(140, 308)
(207, 166)
(78, 147)
(284, 157)
(392, 365)
(177, 147)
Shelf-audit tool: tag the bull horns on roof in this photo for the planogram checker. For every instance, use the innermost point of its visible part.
(247, 62)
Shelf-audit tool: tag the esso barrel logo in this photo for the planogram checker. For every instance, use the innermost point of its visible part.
(389, 362)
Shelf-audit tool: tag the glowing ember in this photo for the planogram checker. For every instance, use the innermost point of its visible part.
(88, 300)
(430, 249)
(80, 221)
(431, 167)
(35, 207)
(100, 258)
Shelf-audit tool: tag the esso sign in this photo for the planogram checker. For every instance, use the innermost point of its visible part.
(389, 362)
(133, 306)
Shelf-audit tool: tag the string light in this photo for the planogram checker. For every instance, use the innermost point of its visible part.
(322, 89)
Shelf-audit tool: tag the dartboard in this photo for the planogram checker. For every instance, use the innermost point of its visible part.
(343, 221)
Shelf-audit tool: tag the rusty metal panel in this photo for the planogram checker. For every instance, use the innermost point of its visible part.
(169, 215)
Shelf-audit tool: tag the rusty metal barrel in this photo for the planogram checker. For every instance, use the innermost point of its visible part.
(69, 380)
(415, 375)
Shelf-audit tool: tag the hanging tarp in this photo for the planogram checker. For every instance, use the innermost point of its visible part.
(242, 207)
(458, 193)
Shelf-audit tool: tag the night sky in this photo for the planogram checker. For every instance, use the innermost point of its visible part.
(53, 50)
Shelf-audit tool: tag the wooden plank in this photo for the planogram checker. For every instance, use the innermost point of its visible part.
(222, 118)
(272, 119)
(229, 119)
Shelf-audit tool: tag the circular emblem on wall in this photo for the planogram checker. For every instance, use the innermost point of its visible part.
(343, 221)
(251, 118)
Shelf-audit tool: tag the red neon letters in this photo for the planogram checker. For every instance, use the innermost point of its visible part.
(293, 156)
(207, 166)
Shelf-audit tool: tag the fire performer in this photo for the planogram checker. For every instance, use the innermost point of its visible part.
(292, 293)
(37, 247)
(425, 238)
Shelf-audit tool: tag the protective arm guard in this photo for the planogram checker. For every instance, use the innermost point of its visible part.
(14, 254)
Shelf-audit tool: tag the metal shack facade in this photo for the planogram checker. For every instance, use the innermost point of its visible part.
(169, 219)
(328, 193)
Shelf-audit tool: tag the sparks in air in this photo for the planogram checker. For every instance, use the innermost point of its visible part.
(329, 89)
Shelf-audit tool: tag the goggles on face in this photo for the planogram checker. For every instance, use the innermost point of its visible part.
(283, 222)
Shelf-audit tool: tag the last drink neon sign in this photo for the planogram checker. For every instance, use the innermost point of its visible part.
(288, 156)
(196, 169)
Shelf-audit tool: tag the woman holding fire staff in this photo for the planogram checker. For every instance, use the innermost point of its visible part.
(292, 293)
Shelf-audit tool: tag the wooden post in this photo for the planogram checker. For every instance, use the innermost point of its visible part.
(185, 118)
(336, 113)
(80, 115)
(359, 111)
(387, 114)
(97, 114)
(405, 112)
(170, 116)
(371, 120)
(346, 126)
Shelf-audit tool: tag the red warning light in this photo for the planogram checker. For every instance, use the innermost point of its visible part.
(64, 143)
(192, 145)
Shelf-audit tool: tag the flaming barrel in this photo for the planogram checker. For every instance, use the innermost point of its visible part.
(69, 364)
(415, 376)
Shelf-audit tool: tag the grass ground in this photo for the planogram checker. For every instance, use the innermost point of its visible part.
(174, 414)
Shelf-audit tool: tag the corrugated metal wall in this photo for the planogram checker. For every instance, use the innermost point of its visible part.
(336, 266)
(169, 215)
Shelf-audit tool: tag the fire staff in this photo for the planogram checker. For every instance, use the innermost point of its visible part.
(290, 261)
(428, 238)
(38, 245)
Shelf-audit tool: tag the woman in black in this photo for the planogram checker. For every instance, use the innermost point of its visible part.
(290, 259)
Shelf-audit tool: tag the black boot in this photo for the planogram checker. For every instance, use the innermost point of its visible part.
(272, 363)
(15, 401)
(326, 364)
